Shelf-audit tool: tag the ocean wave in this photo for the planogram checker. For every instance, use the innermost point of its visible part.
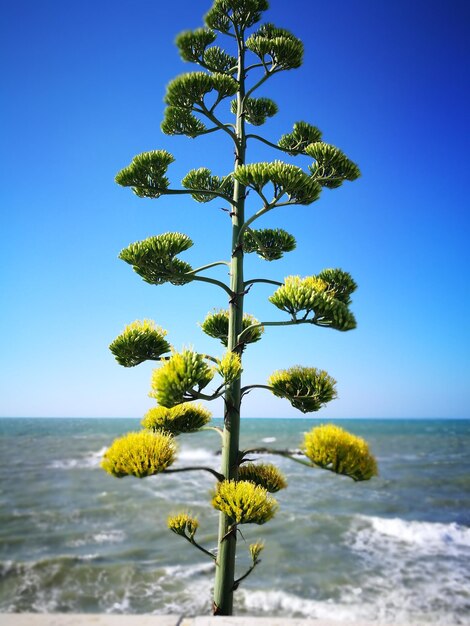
(280, 603)
(191, 455)
(425, 537)
(100, 538)
(92, 459)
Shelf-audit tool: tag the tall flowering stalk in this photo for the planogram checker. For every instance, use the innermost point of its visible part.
(220, 97)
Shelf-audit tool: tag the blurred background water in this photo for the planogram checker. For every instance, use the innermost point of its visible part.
(395, 549)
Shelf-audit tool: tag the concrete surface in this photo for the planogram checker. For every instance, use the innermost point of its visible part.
(86, 619)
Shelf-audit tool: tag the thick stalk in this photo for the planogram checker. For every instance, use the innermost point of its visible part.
(225, 564)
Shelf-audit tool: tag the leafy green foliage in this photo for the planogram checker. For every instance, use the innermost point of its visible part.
(139, 341)
(333, 448)
(139, 454)
(244, 502)
(193, 43)
(175, 380)
(183, 418)
(332, 166)
(208, 187)
(286, 179)
(306, 388)
(155, 259)
(244, 13)
(284, 49)
(266, 475)
(268, 243)
(328, 301)
(146, 174)
(256, 110)
(216, 325)
(303, 134)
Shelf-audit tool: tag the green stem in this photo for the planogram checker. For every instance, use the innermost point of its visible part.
(208, 266)
(288, 454)
(194, 543)
(216, 428)
(194, 468)
(199, 547)
(236, 584)
(248, 329)
(213, 281)
(273, 145)
(262, 280)
(225, 571)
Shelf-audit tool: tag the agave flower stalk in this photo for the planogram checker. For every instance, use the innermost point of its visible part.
(194, 101)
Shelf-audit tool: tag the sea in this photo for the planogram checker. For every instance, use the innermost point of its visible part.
(395, 549)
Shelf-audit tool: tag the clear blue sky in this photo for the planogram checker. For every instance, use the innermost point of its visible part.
(83, 83)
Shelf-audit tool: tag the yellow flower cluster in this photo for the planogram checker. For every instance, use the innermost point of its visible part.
(229, 367)
(255, 550)
(182, 524)
(244, 502)
(139, 454)
(266, 475)
(183, 418)
(333, 448)
(182, 372)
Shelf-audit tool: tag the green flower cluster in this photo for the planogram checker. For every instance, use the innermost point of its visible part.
(332, 166)
(146, 174)
(139, 454)
(155, 259)
(244, 502)
(256, 110)
(269, 243)
(302, 135)
(244, 13)
(326, 295)
(193, 43)
(306, 388)
(266, 475)
(190, 89)
(333, 448)
(178, 376)
(281, 46)
(208, 187)
(182, 418)
(138, 342)
(286, 179)
(216, 325)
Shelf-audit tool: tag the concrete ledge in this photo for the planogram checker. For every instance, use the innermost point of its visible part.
(88, 619)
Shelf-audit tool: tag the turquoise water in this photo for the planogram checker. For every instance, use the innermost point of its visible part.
(395, 549)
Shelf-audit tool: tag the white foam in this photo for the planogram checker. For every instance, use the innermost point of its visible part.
(195, 455)
(102, 537)
(268, 439)
(426, 537)
(92, 459)
(188, 571)
(278, 602)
